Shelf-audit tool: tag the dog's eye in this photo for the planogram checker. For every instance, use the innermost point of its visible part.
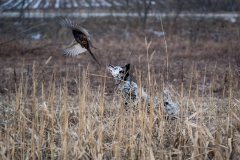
(121, 71)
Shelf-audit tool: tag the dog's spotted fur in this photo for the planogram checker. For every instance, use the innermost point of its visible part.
(130, 89)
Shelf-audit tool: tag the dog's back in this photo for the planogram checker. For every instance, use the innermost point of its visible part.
(131, 91)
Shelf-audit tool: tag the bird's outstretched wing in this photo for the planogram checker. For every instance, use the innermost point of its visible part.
(73, 49)
(74, 26)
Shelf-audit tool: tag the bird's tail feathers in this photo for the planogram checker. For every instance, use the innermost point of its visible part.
(93, 56)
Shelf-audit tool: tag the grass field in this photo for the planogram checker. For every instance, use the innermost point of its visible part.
(56, 107)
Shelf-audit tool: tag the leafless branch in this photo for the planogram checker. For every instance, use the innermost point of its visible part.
(14, 38)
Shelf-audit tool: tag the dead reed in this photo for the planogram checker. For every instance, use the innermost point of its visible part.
(43, 119)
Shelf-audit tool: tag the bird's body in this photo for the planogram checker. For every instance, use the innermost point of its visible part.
(81, 41)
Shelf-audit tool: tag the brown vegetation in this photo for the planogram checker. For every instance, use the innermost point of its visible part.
(67, 108)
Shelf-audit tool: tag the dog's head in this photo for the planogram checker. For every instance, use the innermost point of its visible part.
(119, 73)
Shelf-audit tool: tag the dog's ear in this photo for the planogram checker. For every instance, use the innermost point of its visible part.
(126, 70)
(127, 67)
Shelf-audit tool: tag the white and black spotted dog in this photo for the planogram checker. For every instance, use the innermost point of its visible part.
(130, 89)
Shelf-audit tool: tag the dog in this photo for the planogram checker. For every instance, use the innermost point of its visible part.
(130, 90)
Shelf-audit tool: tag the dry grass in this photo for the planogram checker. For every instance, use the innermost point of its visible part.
(64, 108)
(48, 121)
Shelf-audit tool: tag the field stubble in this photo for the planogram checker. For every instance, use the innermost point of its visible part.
(68, 108)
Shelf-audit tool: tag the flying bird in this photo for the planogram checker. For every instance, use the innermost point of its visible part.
(81, 42)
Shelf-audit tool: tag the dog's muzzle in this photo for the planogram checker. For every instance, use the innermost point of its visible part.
(109, 65)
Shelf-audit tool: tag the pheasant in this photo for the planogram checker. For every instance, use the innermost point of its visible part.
(81, 42)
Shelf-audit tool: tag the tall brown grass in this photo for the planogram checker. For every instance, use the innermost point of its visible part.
(45, 119)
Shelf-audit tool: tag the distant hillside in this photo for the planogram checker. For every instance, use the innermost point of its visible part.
(45, 4)
(125, 5)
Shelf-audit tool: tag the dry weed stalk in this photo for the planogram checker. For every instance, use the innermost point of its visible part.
(44, 119)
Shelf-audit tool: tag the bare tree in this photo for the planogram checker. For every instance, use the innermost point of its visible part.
(143, 8)
(22, 10)
(178, 8)
(127, 8)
